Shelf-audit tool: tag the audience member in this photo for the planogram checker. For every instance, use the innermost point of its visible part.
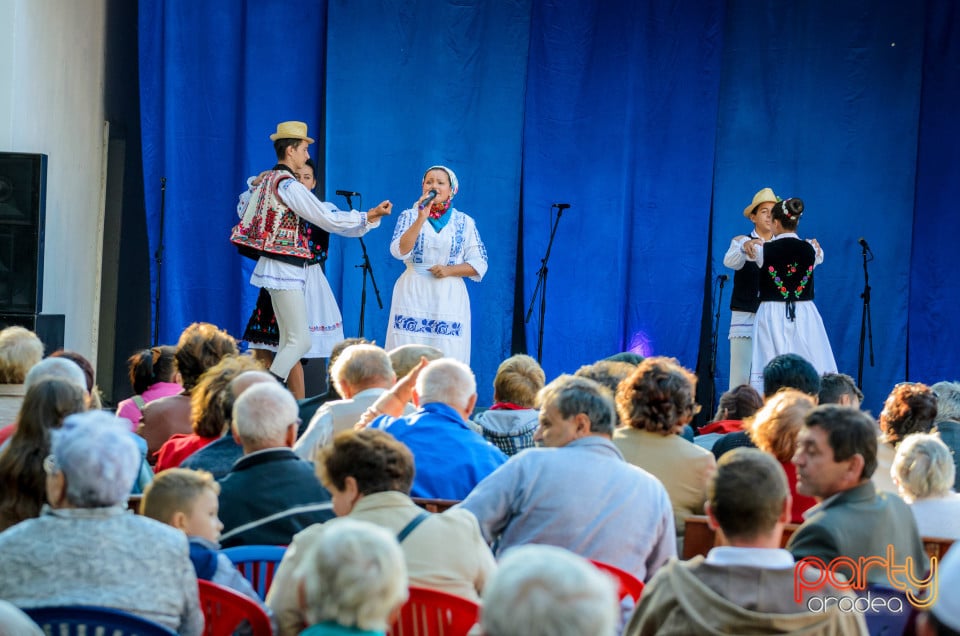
(208, 417)
(95, 401)
(608, 373)
(836, 456)
(20, 349)
(187, 500)
(201, 346)
(735, 406)
(948, 421)
(405, 357)
(786, 371)
(153, 375)
(839, 388)
(542, 590)
(924, 472)
(219, 456)
(85, 548)
(578, 493)
(353, 581)
(910, 408)
(747, 584)
(512, 420)
(654, 403)
(774, 430)
(270, 494)
(22, 479)
(450, 457)
(369, 475)
(48, 368)
(361, 374)
(308, 406)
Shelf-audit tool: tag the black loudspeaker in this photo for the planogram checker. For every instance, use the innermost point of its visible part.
(48, 327)
(23, 183)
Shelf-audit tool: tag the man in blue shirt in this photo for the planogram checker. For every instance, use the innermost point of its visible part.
(450, 458)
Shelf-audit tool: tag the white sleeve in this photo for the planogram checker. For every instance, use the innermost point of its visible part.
(324, 215)
(245, 197)
(735, 257)
(758, 256)
(317, 435)
(404, 222)
(474, 252)
(819, 251)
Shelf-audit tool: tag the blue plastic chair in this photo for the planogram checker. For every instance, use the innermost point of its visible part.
(84, 620)
(257, 564)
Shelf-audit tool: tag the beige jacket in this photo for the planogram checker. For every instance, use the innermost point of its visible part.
(445, 552)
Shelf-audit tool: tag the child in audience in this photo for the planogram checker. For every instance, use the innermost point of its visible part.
(188, 500)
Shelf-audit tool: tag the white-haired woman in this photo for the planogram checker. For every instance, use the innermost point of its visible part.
(923, 470)
(543, 590)
(86, 548)
(440, 246)
(352, 580)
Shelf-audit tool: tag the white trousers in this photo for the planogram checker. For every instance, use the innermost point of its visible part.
(290, 308)
(741, 356)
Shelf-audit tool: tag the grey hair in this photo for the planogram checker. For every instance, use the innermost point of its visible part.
(923, 467)
(542, 590)
(56, 368)
(98, 458)
(354, 574)
(447, 381)
(571, 395)
(262, 414)
(362, 364)
(948, 400)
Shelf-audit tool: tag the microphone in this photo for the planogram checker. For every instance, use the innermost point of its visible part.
(722, 278)
(863, 243)
(561, 206)
(347, 193)
(430, 197)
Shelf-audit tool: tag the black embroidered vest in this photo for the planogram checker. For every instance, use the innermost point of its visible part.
(787, 271)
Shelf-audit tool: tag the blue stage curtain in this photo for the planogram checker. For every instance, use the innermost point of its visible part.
(415, 83)
(620, 123)
(820, 100)
(215, 78)
(934, 284)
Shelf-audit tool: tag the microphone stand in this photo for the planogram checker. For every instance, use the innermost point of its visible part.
(367, 269)
(866, 324)
(541, 287)
(158, 259)
(715, 337)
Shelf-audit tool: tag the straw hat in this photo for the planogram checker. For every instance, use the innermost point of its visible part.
(764, 196)
(291, 130)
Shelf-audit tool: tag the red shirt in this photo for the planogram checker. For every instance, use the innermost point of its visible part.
(801, 503)
(178, 448)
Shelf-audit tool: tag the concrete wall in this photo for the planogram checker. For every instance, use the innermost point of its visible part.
(51, 102)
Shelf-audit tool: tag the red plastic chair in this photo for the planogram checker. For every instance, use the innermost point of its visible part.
(224, 610)
(434, 613)
(629, 585)
(257, 564)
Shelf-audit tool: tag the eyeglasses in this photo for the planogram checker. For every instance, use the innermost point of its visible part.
(50, 465)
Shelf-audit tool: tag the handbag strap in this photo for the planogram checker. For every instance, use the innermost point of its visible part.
(410, 527)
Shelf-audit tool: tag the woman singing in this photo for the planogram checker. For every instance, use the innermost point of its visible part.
(440, 246)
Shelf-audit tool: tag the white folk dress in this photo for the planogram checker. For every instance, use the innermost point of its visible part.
(774, 333)
(429, 310)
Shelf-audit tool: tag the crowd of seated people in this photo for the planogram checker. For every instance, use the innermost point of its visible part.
(558, 475)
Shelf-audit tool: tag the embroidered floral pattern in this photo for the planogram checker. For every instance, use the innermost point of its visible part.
(413, 324)
(782, 286)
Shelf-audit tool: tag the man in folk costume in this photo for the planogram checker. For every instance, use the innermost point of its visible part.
(271, 229)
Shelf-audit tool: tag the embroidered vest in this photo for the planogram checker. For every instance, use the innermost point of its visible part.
(787, 271)
(269, 228)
